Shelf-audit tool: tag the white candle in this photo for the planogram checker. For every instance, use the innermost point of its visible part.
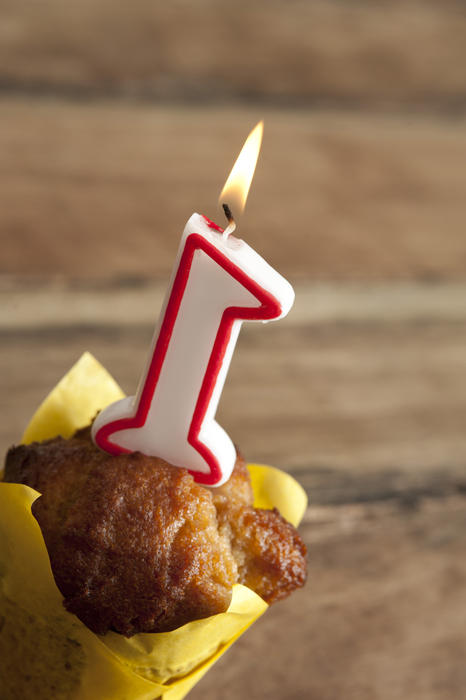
(217, 283)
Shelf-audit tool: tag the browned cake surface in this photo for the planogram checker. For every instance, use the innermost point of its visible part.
(268, 551)
(137, 546)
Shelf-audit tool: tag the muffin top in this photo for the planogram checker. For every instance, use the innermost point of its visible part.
(136, 545)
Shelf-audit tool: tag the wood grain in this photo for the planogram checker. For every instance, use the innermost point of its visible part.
(359, 52)
(104, 190)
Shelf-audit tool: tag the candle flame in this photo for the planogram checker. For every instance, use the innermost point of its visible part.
(236, 188)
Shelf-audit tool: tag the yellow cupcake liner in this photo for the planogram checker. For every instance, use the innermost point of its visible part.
(46, 652)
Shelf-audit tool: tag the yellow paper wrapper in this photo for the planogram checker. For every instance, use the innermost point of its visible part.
(46, 653)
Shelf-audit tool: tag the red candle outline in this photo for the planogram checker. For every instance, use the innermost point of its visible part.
(270, 308)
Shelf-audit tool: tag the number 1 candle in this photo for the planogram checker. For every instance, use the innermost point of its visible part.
(218, 281)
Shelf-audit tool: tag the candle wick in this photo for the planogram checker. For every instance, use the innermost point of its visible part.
(231, 221)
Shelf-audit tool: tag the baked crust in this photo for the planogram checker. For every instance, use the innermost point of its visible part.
(136, 545)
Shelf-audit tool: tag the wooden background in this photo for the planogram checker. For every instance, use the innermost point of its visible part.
(118, 120)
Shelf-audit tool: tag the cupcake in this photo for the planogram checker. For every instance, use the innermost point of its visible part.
(121, 577)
